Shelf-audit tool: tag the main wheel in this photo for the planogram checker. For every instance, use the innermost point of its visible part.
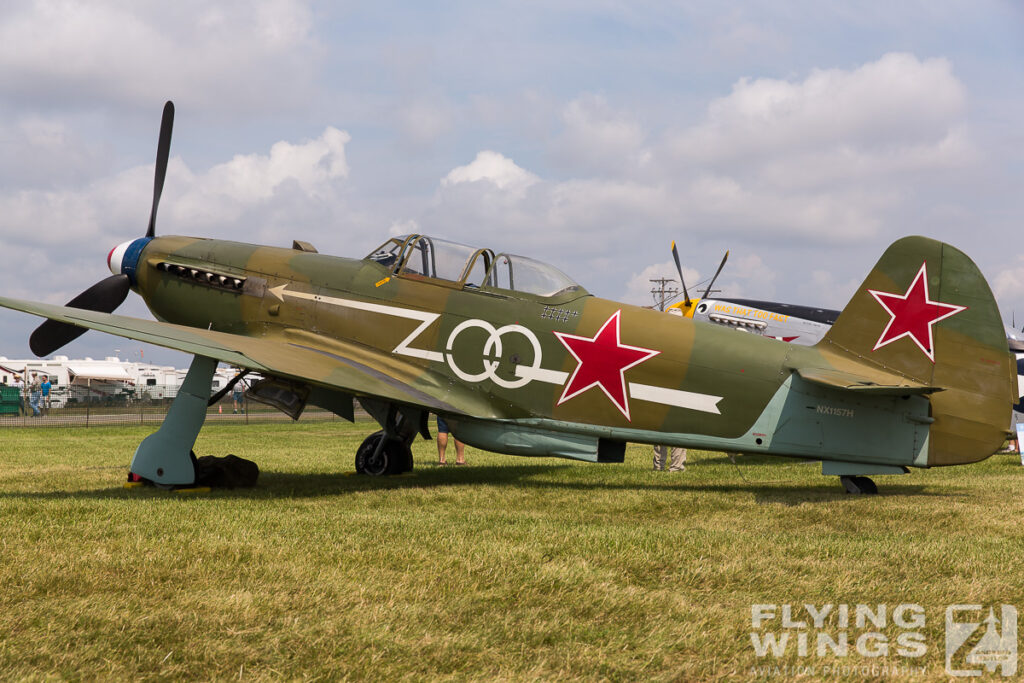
(394, 458)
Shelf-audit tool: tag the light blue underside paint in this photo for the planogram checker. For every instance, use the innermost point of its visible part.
(852, 469)
(802, 420)
(163, 457)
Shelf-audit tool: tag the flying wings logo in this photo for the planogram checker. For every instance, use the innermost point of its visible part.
(975, 642)
(913, 314)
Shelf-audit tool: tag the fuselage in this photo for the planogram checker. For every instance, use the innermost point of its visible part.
(570, 361)
(504, 342)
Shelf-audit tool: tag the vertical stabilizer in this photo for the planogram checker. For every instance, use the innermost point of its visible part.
(925, 312)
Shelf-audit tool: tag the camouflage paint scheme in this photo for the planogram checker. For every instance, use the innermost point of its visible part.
(348, 328)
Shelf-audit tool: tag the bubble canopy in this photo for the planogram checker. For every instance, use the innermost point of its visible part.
(454, 264)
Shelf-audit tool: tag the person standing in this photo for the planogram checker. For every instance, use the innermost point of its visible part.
(442, 444)
(19, 384)
(34, 394)
(45, 388)
(238, 397)
(676, 455)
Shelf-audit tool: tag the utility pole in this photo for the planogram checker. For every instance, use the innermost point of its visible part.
(662, 292)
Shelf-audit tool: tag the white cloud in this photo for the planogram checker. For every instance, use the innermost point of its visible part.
(140, 52)
(831, 159)
(407, 227)
(597, 138)
(498, 170)
(296, 177)
(312, 166)
(896, 102)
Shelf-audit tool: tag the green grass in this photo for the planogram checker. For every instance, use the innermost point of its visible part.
(510, 568)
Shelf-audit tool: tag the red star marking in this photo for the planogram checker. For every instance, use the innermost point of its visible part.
(602, 362)
(913, 314)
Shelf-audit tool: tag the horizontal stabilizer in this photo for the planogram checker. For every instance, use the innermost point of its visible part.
(838, 379)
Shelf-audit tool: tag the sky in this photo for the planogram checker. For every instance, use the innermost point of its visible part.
(803, 136)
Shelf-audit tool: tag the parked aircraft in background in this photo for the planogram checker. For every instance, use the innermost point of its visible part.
(520, 359)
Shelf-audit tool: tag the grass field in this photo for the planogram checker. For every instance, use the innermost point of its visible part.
(509, 568)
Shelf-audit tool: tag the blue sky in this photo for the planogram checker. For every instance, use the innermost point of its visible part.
(803, 136)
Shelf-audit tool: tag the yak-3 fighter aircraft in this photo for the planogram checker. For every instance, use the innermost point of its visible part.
(520, 359)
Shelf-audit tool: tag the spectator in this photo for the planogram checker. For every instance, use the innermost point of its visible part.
(238, 397)
(45, 387)
(19, 384)
(442, 444)
(34, 394)
(676, 454)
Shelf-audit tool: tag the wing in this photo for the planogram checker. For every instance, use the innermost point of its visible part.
(296, 354)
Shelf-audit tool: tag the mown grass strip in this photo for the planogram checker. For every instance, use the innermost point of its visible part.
(508, 568)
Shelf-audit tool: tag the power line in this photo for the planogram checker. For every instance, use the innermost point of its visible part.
(662, 292)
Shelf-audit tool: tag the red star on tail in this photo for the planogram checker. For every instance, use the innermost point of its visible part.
(913, 314)
(603, 362)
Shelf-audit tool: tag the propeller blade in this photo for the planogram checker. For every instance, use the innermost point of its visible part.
(717, 272)
(163, 150)
(104, 296)
(675, 255)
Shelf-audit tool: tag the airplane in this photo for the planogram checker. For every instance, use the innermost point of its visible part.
(804, 325)
(520, 359)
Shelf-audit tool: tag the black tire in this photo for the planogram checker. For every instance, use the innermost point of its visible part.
(405, 459)
(365, 462)
(394, 458)
(859, 485)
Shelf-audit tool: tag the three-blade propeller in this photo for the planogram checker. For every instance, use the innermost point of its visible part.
(107, 294)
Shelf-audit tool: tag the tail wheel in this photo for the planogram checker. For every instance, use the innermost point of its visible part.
(858, 485)
(394, 458)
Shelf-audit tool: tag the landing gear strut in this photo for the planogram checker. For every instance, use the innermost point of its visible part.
(858, 484)
(376, 459)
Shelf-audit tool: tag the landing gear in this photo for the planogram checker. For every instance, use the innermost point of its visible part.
(389, 451)
(163, 456)
(858, 484)
(376, 458)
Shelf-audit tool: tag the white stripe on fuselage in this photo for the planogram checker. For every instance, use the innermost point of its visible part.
(403, 348)
(705, 403)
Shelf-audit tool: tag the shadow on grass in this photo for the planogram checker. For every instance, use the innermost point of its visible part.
(287, 485)
(755, 459)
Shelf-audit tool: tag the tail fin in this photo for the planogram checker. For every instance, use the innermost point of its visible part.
(926, 313)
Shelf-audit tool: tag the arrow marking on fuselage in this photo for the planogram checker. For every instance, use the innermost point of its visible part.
(642, 392)
(704, 403)
(425, 318)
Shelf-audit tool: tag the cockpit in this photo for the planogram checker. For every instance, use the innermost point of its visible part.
(463, 267)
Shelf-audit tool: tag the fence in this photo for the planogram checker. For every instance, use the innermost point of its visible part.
(88, 406)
